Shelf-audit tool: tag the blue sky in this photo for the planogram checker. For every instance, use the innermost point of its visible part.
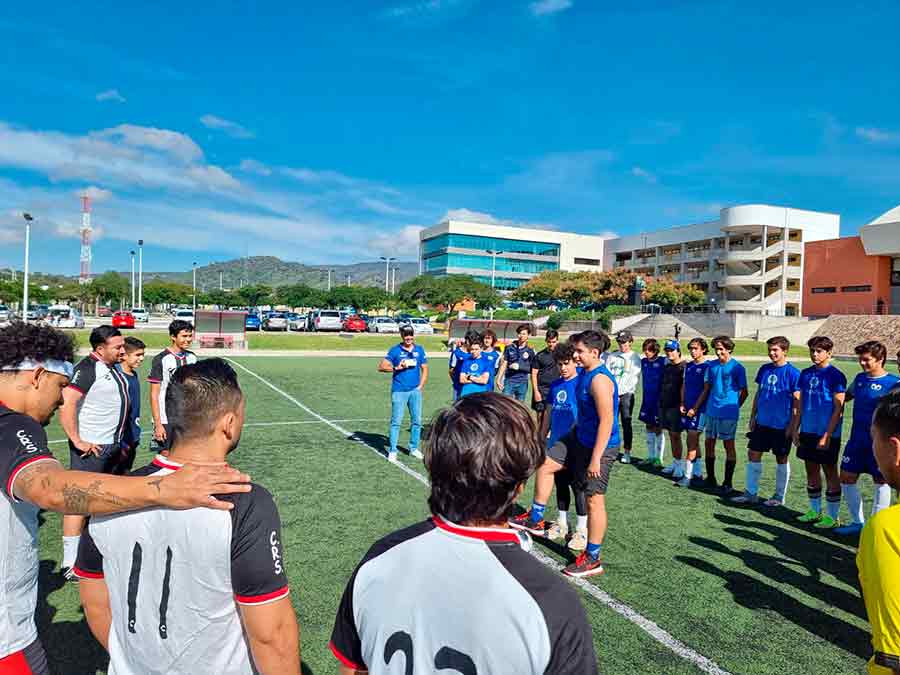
(332, 132)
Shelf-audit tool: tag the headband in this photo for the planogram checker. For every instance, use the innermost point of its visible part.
(64, 368)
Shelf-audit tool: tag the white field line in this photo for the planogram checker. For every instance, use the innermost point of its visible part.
(651, 628)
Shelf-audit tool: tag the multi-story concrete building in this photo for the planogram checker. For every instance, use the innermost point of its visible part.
(751, 259)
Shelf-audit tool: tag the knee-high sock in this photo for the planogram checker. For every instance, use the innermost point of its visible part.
(832, 504)
(651, 445)
(754, 471)
(660, 445)
(815, 498)
(782, 476)
(854, 502)
(698, 468)
(710, 467)
(729, 472)
(882, 498)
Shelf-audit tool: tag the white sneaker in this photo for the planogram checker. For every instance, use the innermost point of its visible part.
(392, 457)
(626, 458)
(556, 532)
(669, 470)
(578, 542)
(416, 454)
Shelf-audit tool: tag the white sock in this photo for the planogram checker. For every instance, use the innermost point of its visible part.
(581, 523)
(651, 445)
(698, 468)
(882, 498)
(782, 476)
(70, 550)
(754, 471)
(660, 445)
(854, 502)
(563, 519)
(688, 467)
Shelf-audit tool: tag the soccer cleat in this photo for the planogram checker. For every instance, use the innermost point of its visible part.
(392, 457)
(669, 470)
(626, 458)
(578, 542)
(745, 498)
(684, 482)
(647, 461)
(849, 530)
(584, 566)
(68, 573)
(416, 454)
(557, 531)
(657, 463)
(726, 490)
(810, 517)
(774, 501)
(710, 483)
(826, 522)
(525, 522)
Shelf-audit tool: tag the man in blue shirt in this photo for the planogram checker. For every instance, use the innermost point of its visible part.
(724, 392)
(819, 401)
(515, 368)
(493, 354)
(771, 422)
(460, 352)
(129, 365)
(867, 390)
(692, 414)
(475, 370)
(409, 368)
(652, 368)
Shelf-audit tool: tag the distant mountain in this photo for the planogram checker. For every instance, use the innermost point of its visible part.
(273, 271)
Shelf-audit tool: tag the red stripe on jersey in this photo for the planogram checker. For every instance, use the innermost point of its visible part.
(18, 469)
(343, 659)
(15, 664)
(80, 391)
(153, 381)
(84, 574)
(483, 533)
(163, 463)
(260, 599)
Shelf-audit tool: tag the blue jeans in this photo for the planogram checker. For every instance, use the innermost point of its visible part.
(399, 401)
(516, 389)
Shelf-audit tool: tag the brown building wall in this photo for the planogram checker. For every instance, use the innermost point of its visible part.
(838, 264)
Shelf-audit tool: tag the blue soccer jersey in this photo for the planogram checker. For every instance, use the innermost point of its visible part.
(867, 391)
(588, 422)
(563, 399)
(474, 368)
(818, 387)
(413, 359)
(775, 395)
(694, 380)
(494, 357)
(651, 379)
(456, 358)
(725, 380)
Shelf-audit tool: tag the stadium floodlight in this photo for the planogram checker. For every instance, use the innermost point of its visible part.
(28, 218)
(194, 289)
(132, 279)
(387, 272)
(494, 255)
(140, 272)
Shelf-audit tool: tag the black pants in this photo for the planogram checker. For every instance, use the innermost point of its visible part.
(563, 480)
(626, 409)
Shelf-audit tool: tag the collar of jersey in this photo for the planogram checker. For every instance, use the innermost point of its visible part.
(489, 534)
(166, 463)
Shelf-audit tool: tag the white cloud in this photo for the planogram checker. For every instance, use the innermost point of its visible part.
(95, 193)
(404, 242)
(546, 7)
(110, 95)
(172, 143)
(419, 9)
(470, 216)
(233, 129)
(643, 174)
(878, 136)
(254, 166)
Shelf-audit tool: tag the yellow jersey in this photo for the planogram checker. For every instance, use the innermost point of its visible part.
(878, 562)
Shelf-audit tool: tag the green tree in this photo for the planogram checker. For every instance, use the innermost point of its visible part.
(299, 295)
(110, 287)
(418, 290)
(257, 294)
(545, 286)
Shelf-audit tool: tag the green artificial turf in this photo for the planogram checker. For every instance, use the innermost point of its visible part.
(745, 587)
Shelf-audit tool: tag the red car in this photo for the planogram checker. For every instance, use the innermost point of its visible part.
(123, 320)
(355, 324)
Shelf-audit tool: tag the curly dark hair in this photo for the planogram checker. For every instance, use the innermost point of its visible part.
(20, 341)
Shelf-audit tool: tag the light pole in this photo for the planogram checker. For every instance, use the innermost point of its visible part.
(28, 218)
(494, 255)
(387, 271)
(393, 280)
(132, 280)
(194, 289)
(140, 272)
(329, 278)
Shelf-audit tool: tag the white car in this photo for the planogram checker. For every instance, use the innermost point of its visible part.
(328, 319)
(420, 326)
(62, 316)
(5, 314)
(275, 321)
(141, 315)
(185, 315)
(384, 324)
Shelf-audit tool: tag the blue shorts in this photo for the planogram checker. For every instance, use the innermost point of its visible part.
(695, 423)
(721, 428)
(649, 413)
(859, 458)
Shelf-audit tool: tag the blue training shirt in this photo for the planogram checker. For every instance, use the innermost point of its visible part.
(408, 378)
(133, 433)
(588, 422)
(726, 381)
(651, 379)
(775, 396)
(472, 366)
(456, 358)
(494, 357)
(563, 399)
(694, 379)
(521, 356)
(867, 391)
(817, 388)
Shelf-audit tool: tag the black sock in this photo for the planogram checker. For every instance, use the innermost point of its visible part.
(710, 468)
(729, 471)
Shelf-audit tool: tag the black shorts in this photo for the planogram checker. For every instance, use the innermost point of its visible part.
(808, 449)
(670, 419)
(109, 458)
(767, 439)
(569, 452)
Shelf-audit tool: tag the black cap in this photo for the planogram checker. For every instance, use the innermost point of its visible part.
(624, 336)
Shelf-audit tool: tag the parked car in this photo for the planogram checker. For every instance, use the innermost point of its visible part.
(328, 319)
(384, 324)
(63, 316)
(252, 322)
(275, 321)
(123, 320)
(420, 326)
(140, 314)
(355, 324)
(104, 311)
(297, 322)
(6, 314)
(33, 314)
(185, 315)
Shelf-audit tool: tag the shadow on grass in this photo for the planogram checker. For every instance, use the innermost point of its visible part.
(378, 442)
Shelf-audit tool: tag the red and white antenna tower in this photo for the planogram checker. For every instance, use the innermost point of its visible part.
(86, 230)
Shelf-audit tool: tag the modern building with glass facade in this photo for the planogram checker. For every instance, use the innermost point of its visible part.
(502, 256)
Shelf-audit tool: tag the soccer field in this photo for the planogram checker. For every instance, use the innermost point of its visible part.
(693, 584)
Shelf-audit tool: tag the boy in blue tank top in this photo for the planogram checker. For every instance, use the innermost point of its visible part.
(589, 450)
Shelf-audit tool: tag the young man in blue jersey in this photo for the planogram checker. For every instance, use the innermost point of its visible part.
(460, 352)
(724, 392)
(819, 403)
(771, 423)
(475, 370)
(867, 389)
(562, 409)
(408, 366)
(652, 367)
(692, 414)
(493, 354)
(590, 450)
